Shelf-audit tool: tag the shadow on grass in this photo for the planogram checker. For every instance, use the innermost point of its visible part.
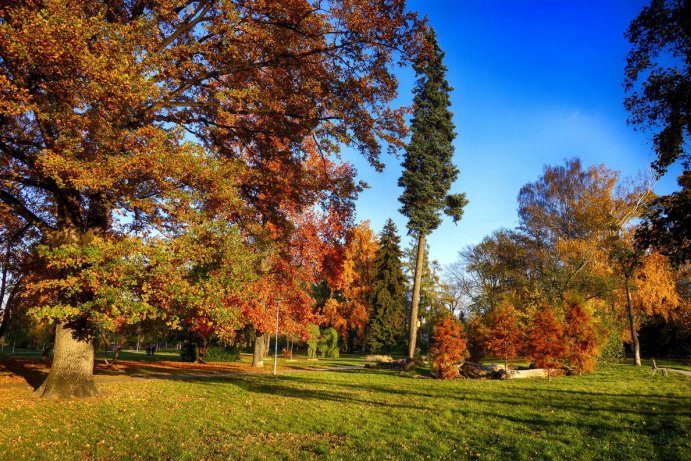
(32, 371)
(544, 413)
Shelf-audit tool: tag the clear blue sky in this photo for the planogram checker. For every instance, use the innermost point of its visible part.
(535, 82)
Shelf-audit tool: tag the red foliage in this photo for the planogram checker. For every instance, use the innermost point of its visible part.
(448, 348)
(546, 340)
(504, 336)
(582, 338)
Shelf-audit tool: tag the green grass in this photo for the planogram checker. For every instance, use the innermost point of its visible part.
(620, 412)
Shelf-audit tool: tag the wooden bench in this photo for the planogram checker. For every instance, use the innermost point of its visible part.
(655, 368)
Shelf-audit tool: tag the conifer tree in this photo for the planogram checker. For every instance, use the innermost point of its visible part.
(546, 340)
(428, 168)
(388, 288)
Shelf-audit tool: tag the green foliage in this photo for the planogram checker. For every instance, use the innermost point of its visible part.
(189, 352)
(312, 341)
(657, 78)
(222, 354)
(386, 327)
(428, 171)
(328, 343)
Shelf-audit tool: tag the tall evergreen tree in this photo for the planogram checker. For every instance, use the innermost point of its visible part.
(428, 171)
(388, 293)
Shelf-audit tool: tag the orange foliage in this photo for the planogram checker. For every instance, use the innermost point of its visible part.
(546, 339)
(504, 336)
(448, 347)
(655, 287)
(582, 338)
(354, 284)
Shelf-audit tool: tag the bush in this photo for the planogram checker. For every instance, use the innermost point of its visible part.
(378, 358)
(328, 344)
(312, 341)
(222, 354)
(188, 352)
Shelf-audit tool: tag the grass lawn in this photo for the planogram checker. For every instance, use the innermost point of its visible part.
(619, 412)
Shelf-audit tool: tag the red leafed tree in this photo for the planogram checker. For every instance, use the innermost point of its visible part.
(504, 336)
(582, 338)
(546, 340)
(448, 347)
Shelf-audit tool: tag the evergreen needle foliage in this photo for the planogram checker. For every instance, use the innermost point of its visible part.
(428, 169)
(388, 292)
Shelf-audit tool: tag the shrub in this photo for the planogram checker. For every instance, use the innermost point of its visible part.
(378, 358)
(312, 341)
(188, 352)
(328, 345)
(222, 354)
(448, 347)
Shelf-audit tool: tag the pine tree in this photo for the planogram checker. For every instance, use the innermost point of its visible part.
(388, 292)
(428, 168)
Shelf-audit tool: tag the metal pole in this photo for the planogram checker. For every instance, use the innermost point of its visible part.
(276, 341)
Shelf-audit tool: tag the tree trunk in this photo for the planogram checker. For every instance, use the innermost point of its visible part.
(258, 357)
(7, 312)
(267, 345)
(72, 371)
(419, 260)
(632, 326)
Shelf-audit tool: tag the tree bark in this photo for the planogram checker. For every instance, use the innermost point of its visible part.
(267, 345)
(632, 326)
(72, 371)
(258, 357)
(419, 260)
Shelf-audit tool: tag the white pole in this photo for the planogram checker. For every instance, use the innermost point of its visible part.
(276, 341)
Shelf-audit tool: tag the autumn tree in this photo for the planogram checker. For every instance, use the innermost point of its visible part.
(448, 347)
(568, 217)
(98, 99)
(582, 338)
(350, 312)
(386, 325)
(657, 80)
(546, 340)
(649, 285)
(504, 334)
(496, 270)
(428, 171)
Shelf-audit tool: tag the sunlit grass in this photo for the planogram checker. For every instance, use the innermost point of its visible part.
(620, 412)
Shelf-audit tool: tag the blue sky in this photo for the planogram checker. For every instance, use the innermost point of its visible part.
(535, 82)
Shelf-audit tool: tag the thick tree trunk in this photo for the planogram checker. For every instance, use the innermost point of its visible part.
(632, 326)
(419, 260)
(258, 357)
(72, 371)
